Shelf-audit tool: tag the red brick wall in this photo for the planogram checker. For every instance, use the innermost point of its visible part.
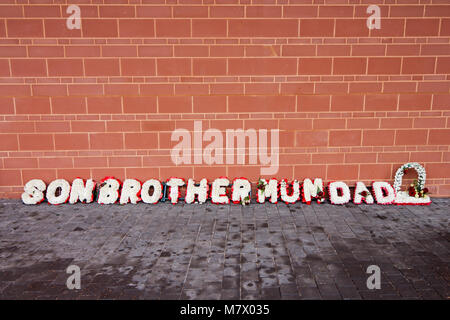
(351, 103)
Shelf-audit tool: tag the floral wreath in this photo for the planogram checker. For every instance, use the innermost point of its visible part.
(421, 175)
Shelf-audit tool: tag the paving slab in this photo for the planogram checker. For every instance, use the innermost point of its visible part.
(207, 251)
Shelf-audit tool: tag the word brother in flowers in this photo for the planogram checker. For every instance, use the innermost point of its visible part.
(110, 190)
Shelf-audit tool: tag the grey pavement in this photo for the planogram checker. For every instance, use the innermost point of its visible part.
(260, 251)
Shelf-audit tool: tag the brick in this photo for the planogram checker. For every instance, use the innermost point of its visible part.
(403, 50)
(173, 28)
(119, 51)
(10, 178)
(90, 162)
(13, 51)
(209, 67)
(71, 141)
(226, 51)
(94, 28)
(415, 102)
(105, 105)
(12, 11)
(261, 103)
(418, 65)
(82, 51)
(349, 66)
(422, 27)
(328, 124)
(47, 175)
(153, 11)
(208, 104)
(331, 11)
(4, 68)
(28, 68)
(375, 171)
(384, 66)
(313, 103)
(32, 105)
(406, 11)
(263, 28)
(7, 105)
(65, 67)
(19, 163)
(263, 11)
(316, 27)
(106, 141)
(123, 126)
(309, 171)
(443, 65)
(121, 89)
(262, 66)
(25, 28)
(381, 102)
(174, 104)
(59, 162)
(139, 104)
(35, 141)
(102, 67)
(68, 105)
(345, 138)
(209, 28)
(56, 28)
(423, 122)
(361, 157)
(351, 28)
(299, 50)
(314, 138)
(191, 51)
(158, 125)
(116, 11)
(173, 67)
(333, 50)
(135, 28)
(411, 137)
(155, 51)
(378, 137)
(342, 172)
(441, 102)
(8, 142)
(138, 67)
(261, 51)
(125, 162)
(303, 11)
(228, 11)
(326, 158)
(46, 51)
(190, 12)
(389, 28)
(314, 66)
(395, 123)
(439, 137)
(52, 126)
(347, 103)
(141, 140)
(87, 126)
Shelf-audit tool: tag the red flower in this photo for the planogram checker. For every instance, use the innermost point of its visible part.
(425, 190)
(412, 191)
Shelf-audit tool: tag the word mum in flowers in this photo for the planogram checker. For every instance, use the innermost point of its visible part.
(110, 190)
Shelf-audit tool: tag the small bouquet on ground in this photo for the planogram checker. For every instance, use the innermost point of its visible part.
(414, 190)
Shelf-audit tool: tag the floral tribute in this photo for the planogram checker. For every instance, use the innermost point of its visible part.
(223, 191)
(416, 193)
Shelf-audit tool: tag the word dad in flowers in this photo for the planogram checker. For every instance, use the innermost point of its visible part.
(111, 190)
